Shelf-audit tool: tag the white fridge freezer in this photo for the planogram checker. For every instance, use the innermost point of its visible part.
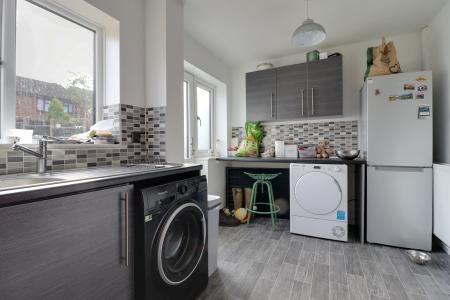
(397, 142)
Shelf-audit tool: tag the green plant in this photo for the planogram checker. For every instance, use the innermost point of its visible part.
(254, 130)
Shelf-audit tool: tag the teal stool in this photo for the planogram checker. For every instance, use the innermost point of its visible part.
(263, 179)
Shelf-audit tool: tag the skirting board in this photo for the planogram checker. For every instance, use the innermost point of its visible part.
(441, 244)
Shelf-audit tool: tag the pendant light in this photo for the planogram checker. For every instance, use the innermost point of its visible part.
(309, 34)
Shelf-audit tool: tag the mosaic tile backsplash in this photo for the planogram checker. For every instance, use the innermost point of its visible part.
(341, 134)
(147, 123)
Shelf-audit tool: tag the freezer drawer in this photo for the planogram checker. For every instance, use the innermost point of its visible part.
(399, 207)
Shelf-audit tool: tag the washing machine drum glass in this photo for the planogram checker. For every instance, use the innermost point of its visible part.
(318, 193)
(181, 243)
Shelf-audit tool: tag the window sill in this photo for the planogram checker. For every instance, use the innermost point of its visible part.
(68, 146)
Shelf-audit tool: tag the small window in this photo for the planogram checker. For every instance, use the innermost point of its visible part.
(55, 60)
(40, 105)
(198, 117)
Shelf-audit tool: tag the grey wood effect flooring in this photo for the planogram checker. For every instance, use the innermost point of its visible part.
(258, 263)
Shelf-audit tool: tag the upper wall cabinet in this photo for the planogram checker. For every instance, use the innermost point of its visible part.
(325, 87)
(261, 89)
(307, 90)
(292, 89)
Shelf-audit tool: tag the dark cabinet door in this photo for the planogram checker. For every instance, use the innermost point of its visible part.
(292, 85)
(325, 87)
(72, 247)
(261, 95)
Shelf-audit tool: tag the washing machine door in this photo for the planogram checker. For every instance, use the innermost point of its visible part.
(181, 243)
(318, 193)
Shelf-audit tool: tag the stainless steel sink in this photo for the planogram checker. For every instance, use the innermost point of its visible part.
(26, 181)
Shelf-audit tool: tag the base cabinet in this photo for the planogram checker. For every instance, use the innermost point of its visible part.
(72, 247)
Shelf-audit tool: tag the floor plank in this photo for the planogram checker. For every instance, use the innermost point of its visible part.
(337, 268)
(284, 283)
(321, 282)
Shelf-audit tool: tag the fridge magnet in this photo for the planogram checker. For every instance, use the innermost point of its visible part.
(408, 96)
(409, 87)
(424, 111)
(377, 92)
(420, 96)
(421, 78)
(422, 88)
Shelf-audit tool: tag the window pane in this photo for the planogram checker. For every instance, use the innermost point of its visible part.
(55, 73)
(187, 148)
(203, 119)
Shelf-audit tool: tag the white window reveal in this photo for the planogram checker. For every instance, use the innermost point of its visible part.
(199, 98)
(60, 60)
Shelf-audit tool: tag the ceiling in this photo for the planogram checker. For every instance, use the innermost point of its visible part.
(240, 31)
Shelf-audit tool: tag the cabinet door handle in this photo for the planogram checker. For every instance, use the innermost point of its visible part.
(271, 105)
(127, 243)
(303, 108)
(312, 101)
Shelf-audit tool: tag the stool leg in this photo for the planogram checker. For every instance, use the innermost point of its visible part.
(252, 201)
(271, 203)
(269, 193)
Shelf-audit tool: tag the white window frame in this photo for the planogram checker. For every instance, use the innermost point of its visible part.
(8, 58)
(192, 147)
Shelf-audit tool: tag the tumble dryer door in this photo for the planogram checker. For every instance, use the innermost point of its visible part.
(318, 193)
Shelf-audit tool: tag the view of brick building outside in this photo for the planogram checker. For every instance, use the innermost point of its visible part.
(32, 100)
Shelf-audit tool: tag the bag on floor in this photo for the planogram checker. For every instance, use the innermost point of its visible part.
(382, 60)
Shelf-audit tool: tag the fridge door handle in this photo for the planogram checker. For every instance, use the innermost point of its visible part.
(403, 169)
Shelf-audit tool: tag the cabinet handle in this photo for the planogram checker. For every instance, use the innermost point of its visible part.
(303, 110)
(127, 243)
(271, 105)
(312, 101)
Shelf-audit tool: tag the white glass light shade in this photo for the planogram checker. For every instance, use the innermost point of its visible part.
(309, 34)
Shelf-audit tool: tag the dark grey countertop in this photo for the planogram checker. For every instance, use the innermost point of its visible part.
(332, 160)
(81, 180)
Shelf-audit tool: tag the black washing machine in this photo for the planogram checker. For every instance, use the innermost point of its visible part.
(171, 259)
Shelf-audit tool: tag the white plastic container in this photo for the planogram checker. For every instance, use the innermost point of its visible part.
(214, 205)
(279, 148)
(291, 151)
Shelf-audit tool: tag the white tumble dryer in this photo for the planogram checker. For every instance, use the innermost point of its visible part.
(318, 199)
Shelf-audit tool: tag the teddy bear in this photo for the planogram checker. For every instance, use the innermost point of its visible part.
(323, 150)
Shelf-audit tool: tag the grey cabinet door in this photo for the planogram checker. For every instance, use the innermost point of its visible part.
(325, 87)
(68, 248)
(261, 95)
(292, 92)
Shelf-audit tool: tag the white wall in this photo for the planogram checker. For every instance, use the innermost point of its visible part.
(437, 58)
(130, 13)
(202, 63)
(202, 58)
(409, 51)
(164, 68)
(155, 51)
(436, 48)
(175, 75)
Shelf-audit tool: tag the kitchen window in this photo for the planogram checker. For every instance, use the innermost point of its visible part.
(52, 70)
(199, 98)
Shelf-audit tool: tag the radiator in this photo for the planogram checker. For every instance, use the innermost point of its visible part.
(441, 207)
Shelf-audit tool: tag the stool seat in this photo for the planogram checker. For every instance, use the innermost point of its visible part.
(263, 179)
